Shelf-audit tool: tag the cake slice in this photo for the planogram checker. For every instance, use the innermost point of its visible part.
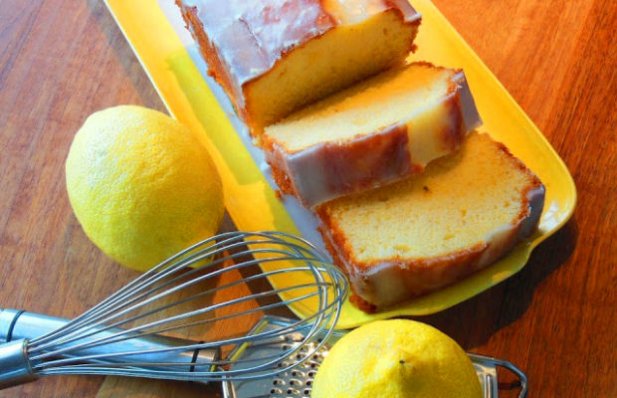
(275, 56)
(423, 233)
(378, 131)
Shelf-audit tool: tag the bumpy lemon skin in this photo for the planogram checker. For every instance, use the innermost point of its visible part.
(396, 359)
(141, 185)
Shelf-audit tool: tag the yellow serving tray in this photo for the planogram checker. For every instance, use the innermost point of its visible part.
(156, 33)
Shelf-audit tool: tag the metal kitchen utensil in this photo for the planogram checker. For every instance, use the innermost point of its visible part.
(193, 290)
(297, 382)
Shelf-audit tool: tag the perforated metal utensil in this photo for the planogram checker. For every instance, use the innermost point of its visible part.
(194, 291)
(297, 381)
(291, 383)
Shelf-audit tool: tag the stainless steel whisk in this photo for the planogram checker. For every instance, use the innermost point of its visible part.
(194, 291)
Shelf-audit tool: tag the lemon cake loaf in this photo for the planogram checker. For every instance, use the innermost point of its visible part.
(423, 233)
(275, 56)
(375, 132)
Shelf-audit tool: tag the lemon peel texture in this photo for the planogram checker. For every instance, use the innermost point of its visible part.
(396, 359)
(141, 185)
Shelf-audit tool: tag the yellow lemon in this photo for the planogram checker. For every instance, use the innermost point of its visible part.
(396, 359)
(141, 185)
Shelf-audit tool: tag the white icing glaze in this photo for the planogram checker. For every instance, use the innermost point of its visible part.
(535, 198)
(251, 36)
(354, 11)
(471, 117)
(382, 284)
(310, 176)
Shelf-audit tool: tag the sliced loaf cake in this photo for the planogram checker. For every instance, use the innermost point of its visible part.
(376, 132)
(423, 233)
(273, 56)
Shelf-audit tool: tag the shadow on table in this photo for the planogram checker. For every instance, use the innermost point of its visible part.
(474, 321)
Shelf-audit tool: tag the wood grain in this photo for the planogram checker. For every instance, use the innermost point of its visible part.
(62, 60)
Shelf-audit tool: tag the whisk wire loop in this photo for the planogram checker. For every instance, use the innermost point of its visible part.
(130, 333)
(206, 286)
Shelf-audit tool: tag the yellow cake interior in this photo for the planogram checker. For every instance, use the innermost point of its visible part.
(459, 201)
(389, 98)
(343, 55)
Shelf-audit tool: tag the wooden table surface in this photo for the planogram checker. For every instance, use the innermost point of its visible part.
(62, 60)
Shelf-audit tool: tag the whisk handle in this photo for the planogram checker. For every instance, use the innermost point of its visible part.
(18, 325)
(14, 364)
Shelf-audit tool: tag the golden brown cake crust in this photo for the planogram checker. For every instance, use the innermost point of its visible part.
(419, 276)
(352, 167)
(362, 163)
(260, 32)
(249, 37)
(243, 40)
(245, 48)
(281, 177)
